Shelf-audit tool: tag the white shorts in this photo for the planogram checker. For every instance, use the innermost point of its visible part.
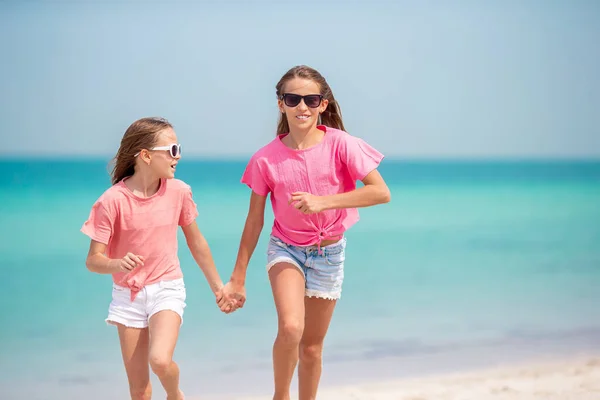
(164, 295)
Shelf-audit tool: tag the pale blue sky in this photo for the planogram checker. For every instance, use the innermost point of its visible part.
(414, 78)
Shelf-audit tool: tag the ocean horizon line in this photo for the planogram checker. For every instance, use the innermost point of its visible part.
(394, 159)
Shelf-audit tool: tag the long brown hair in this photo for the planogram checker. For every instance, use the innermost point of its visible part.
(142, 134)
(331, 117)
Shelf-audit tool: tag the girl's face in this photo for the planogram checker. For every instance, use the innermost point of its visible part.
(163, 158)
(302, 112)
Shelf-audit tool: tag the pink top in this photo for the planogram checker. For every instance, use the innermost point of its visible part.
(143, 226)
(330, 167)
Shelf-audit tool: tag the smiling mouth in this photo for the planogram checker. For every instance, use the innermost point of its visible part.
(303, 117)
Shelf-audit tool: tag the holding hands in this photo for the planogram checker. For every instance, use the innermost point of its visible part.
(231, 297)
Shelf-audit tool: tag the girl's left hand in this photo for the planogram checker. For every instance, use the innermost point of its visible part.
(307, 203)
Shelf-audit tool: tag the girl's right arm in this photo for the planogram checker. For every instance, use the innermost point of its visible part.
(250, 235)
(97, 261)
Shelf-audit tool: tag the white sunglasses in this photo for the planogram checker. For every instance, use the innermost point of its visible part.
(174, 149)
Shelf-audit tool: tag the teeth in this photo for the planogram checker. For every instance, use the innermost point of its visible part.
(302, 117)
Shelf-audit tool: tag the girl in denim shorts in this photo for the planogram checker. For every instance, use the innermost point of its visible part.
(310, 170)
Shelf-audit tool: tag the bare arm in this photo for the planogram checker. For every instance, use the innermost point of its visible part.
(374, 191)
(252, 229)
(234, 289)
(98, 262)
(201, 252)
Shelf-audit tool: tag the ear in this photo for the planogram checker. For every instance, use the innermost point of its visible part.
(145, 156)
(280, 106)
(323, 106)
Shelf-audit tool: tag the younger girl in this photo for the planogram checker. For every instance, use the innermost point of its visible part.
(133, 231)
(310, 170)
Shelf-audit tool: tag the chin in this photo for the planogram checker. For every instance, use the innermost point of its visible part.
(305, 124)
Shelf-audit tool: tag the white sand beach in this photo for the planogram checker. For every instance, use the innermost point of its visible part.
(573, 379)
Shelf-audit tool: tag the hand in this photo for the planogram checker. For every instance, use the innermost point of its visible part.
(222, 299)
(231, 297)
(129, 262)
(307, 203)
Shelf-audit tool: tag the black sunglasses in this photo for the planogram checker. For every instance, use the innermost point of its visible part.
(311, 100)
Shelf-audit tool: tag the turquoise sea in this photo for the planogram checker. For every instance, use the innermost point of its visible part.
(471, 264)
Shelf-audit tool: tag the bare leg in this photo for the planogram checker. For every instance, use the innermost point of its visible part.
(164, 331)
(287, 283)
(318, 316)
(134, 348)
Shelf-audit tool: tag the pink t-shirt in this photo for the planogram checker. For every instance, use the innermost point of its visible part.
(333, 166)
(143, 226)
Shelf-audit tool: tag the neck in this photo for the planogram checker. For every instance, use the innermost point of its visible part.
(143, 183)
(303, 138)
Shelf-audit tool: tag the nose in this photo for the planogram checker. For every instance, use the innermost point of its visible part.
(302, 105)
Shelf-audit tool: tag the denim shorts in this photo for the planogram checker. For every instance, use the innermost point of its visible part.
(323, 270)
(160, 296)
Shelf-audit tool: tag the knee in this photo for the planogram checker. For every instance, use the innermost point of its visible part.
(290, 332)
(311, 353)
(142, 392)
(160, 364)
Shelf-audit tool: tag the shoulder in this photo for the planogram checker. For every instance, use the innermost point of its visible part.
(267, 151)
(113, 194)
(111, 198)
(338, 140)
(267, 155)
(336, 133)
(337, 137)
(177, 184)
(176, 188)
(340, 136)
